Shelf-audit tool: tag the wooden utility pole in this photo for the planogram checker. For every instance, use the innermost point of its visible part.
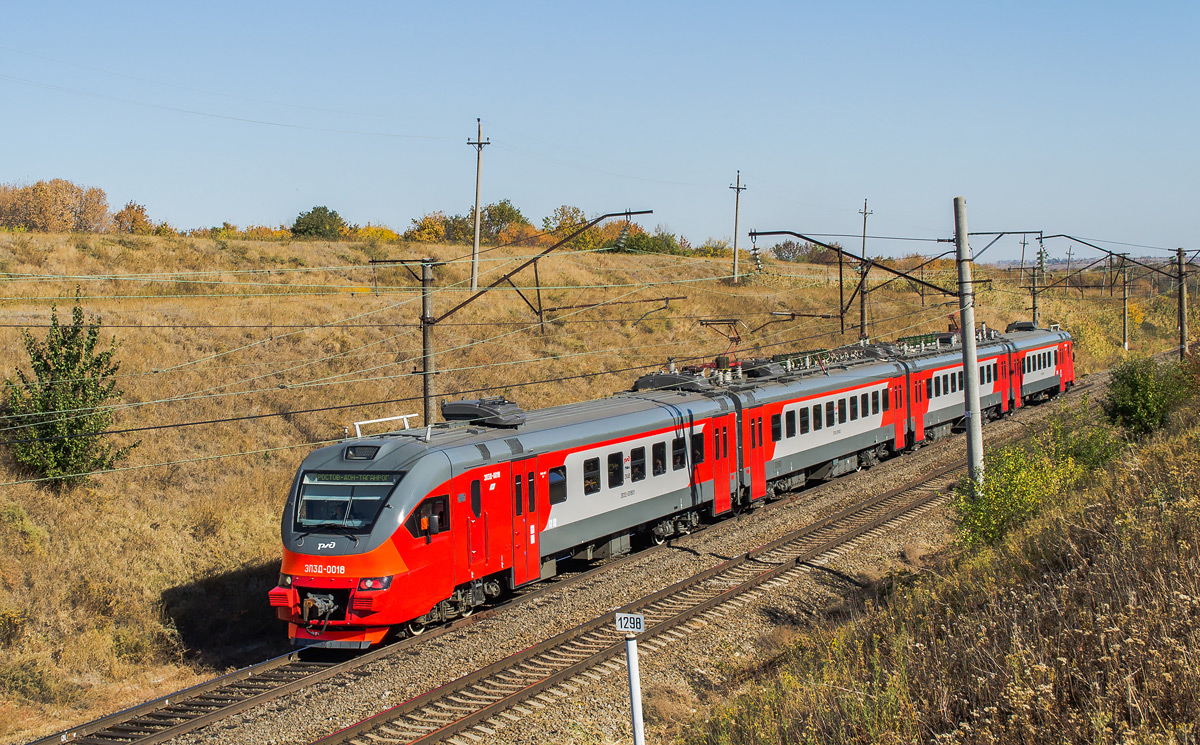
(737, 208)
(1183, 319)
(970, 357)
(427, 359)
(478, 144)
(862, 282)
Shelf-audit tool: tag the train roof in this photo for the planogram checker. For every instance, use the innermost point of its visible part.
(467, 444)
(659, 400)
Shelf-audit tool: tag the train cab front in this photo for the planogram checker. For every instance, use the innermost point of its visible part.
(343, 581)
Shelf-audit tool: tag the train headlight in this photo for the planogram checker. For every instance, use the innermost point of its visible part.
(375, 583)
(285, 580)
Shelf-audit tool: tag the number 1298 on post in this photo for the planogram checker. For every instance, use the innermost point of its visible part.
(631, 623)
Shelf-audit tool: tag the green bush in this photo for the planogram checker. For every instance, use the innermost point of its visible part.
(319, 222)
(1020, 479)
(55, 411)
(1143, 393)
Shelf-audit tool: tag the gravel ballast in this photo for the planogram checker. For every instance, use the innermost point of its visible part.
(678, 678)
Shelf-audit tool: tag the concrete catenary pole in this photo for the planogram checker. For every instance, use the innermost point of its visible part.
(966, 304)
(737, 208)
(1183, 319)
(428, 366)
(1125, 304)
(862, 284)
(478, 144)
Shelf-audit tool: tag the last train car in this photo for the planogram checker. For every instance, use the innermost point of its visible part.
(420, 526)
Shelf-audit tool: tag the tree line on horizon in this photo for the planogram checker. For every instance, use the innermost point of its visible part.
(60, 206)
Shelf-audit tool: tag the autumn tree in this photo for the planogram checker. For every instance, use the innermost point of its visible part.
(133, 218)
(428, 228)
(498, 218)
(566, 220)
(55, 206)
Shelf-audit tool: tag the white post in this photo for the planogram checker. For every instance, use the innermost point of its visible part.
(635, 690)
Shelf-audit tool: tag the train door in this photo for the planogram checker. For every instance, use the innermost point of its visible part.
(895, 391)
(723, 472)
(1001, 386)
(753, 437)
(1018, 379)
(920, 406)
(525, 562)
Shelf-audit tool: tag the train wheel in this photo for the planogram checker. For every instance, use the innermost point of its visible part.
(658, 539)
(466, 611)
(415, 628)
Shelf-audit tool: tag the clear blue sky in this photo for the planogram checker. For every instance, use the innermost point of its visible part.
(1075, 117)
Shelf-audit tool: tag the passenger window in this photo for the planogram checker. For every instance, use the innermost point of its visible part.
(518, 495)
(557, 486)
(953, 383)
(1056, 358)
(818, 422)
(887, 396)
(928, 388)
(776, 428)
(841, 411)
(804, 421)
(697, 450)
(829, 415)
(616, 469)
(678, 454)
(937, 386)
(865, 404)
(960, 381)
(562, 472)
(591, 476)
(789, 422)
(637, 464)
(658, 452)
(418, 522)
(875, 402)
(853, 408)
(476, 501)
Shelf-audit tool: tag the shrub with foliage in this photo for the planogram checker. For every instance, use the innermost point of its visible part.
(806, 252)
(319, 222)
(1143, 393)
(1019, 480)
(57, 406)
(498, 218)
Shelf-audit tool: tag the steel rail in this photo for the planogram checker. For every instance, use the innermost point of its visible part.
(458, 695)
(166, 717)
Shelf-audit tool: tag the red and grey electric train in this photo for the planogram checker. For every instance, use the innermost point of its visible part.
(416, 527)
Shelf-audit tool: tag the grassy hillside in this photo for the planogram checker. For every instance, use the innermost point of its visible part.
(1081, 626)
(151, 577)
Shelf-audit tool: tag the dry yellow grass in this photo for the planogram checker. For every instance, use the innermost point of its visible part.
(146, 579)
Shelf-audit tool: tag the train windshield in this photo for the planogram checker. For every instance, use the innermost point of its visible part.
(343, 501)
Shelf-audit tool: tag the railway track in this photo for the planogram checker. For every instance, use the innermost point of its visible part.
(471, 708)
(164, 718)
